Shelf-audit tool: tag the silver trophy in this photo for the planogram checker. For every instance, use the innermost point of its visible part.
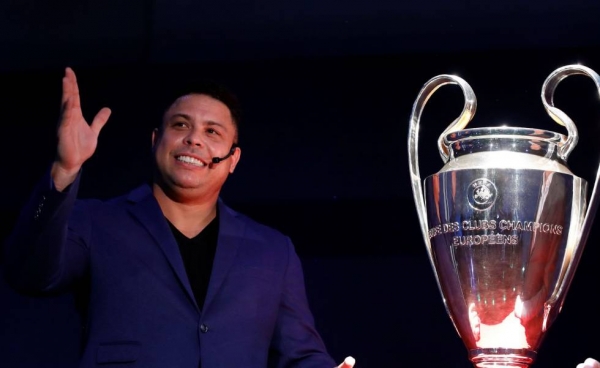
(505, 222)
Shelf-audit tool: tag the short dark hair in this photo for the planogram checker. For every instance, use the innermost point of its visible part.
(214, 90)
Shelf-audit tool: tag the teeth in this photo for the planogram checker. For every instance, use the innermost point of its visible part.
(190, 160)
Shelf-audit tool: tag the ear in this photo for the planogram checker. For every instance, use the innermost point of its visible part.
(155, 136)
(234, 159)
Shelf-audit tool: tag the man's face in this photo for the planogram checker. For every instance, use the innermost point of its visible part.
(195, 129)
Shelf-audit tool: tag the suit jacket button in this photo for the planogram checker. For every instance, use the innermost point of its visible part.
(204, 328)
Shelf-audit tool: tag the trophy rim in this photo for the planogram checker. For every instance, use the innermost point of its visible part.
(540, 143)
(506, 132)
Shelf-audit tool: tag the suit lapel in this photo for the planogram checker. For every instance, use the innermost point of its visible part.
(147, 211)
(231, 231)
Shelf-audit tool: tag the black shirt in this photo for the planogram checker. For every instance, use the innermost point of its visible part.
(198, 254)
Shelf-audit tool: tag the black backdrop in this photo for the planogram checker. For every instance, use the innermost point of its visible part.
(324, 142)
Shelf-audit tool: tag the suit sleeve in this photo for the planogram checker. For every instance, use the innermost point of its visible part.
(44, 253)
(296, 342)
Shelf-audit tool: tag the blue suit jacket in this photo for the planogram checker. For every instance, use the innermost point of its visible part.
(141, 308)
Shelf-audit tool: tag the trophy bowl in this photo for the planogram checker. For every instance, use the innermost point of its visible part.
(505, 222)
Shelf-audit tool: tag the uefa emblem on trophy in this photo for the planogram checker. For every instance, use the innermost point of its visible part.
(505, 222)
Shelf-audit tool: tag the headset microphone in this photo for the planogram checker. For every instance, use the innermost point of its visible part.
(216, 160)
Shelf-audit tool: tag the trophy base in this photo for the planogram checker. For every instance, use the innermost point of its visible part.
(502, 357)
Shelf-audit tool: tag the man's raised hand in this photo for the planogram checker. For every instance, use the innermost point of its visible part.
(77, 140)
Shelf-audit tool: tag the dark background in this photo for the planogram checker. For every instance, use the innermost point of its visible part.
(327, 89)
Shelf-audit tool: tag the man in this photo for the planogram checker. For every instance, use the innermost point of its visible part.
(176, 278)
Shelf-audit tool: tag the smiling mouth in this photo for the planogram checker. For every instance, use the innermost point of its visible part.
(190, 160)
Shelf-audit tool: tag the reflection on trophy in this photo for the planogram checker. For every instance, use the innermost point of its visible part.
(505, 222)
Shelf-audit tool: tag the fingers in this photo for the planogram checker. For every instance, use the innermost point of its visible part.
(66, 87)
(70, 93)
(100, 119)
(65, 111)
(350, 361)
(475, 322)
(527, 309)
(589, 363)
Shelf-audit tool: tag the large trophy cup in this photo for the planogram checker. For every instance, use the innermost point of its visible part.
(505, 222)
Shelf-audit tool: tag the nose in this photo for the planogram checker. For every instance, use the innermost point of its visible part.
(193, 138)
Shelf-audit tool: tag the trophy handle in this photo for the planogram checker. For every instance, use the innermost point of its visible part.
(561, 118)
(558, 115)
(413, 137)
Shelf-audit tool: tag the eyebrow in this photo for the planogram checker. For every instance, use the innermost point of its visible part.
(180, 115)
(188, 117)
